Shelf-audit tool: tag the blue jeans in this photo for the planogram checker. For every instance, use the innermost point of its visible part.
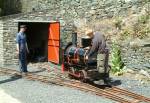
(22, 61)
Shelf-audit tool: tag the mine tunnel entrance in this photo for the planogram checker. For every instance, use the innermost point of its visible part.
(38, 36)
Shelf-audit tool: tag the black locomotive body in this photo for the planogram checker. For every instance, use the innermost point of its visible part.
(75, 61)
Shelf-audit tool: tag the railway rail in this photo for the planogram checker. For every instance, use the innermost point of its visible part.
(113, 93)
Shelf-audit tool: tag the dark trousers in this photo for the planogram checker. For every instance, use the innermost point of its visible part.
(22, 62)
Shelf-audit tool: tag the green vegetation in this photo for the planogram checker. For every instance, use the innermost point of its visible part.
(118, 22)
(143, 19)
(116, 61)
(141, 31)
(137, 29)
(8, 7)
(1, 7)
(141, 28)
(125, 33)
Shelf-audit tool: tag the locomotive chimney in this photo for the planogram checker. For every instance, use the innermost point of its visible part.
(74, 39)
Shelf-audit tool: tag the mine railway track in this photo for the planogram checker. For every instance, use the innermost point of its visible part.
(113, 93)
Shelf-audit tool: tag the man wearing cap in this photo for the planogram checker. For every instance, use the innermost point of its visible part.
(100, 48)
(22, 48)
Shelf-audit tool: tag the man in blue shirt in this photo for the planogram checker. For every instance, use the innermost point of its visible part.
(22, 49)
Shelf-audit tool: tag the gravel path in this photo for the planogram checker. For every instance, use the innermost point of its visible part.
(43, 93)
(27, 91)
(134, 85)
(6, 98)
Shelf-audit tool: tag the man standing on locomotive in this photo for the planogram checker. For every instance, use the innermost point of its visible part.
(100, 48)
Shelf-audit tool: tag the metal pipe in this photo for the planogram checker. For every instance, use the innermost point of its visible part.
(74, 39)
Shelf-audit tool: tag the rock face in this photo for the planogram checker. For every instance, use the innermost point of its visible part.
(136, 54)
(70, 13)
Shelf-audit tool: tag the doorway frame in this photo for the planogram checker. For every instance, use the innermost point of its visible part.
(50, 22)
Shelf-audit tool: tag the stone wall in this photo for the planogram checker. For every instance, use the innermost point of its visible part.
(70, 13)
(9, 45)
(136, 54)
(86, 8)
(1, 42)
(9, 28)
(137, 59)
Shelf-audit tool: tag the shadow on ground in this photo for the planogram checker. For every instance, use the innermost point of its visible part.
(12, 78)
(110, 84)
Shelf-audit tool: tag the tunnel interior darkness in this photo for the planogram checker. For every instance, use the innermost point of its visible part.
(37, 40)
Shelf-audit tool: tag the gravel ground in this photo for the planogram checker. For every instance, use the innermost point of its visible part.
(35, 92)
(58, 94)
(47, 69)
(134, 85)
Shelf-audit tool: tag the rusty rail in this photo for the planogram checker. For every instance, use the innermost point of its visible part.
(113, 93)
(128, 93)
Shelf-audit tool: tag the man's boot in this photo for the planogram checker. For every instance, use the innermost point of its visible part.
(99, 82)
(107, 79)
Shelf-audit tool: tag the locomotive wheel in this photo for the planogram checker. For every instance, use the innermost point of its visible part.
(70, 76)
(71, 71)
(83, 76)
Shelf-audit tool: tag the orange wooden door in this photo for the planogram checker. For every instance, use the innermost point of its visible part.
(54, 42)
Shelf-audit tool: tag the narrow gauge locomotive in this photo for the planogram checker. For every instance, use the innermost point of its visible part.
(75, 62)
